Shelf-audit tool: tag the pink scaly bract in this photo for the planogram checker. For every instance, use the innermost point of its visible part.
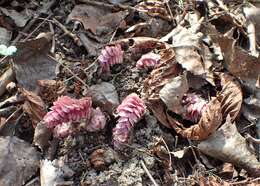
(148, 61)
(194, 106)
(129, 111)
(110, 55)
(66, 109)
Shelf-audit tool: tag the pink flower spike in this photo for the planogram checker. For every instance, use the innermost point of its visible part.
(129, 111)
(148, 60)
(109, 56)
(66, 109)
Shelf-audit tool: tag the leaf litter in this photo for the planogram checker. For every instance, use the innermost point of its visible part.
(130, 93)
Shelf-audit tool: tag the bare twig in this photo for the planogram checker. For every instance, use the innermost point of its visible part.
(168, 150)
(8, 119)
(66, 31)
(53, 38)
(252, 139)
(148, 173)
(44, 21)
(74, 75)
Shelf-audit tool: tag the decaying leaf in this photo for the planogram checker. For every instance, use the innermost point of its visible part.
(32, 62)
(99, 21)
(231, 97)
(154, 8)
(153, 86)
(228, 145)
(33, 106)
(186, 47)
(173, 91)
(18, 161)
(210, 120)
(50, 90)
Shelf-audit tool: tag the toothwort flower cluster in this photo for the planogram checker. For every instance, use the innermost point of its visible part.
(148, 61)
(194, 106)
(66, 112)
(110, 55)
(129, 112)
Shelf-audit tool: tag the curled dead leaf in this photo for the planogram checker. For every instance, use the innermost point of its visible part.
(210, 120)
(230, 96)
(33, 106)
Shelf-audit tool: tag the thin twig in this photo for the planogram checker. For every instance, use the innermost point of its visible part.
(44, 21)
(148, 174)
(168, 150)
(252, 139)
(66, 31)
(53, 38)
(8, 119)
(74, 75)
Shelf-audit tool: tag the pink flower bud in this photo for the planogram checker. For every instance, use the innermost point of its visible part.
(194, 106)
(110, 55)
(148, 61)
(129, 112)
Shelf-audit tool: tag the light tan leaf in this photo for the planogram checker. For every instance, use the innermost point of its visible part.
(228, 145)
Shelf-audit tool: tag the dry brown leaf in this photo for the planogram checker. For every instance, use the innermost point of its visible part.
(240, 63)
(50, 90)
(154, 8)
(210, 120)
(18, 161)
(211, 181)
(32, 62)
(230, 96)
(99, 21)
(159, 77)
(33, 106)
(223, 145)
(141, 45)
(191, 53)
